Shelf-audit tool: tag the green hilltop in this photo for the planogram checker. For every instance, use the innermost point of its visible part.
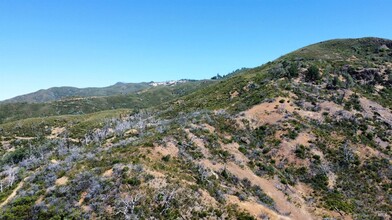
(61, 93)
(150, 96)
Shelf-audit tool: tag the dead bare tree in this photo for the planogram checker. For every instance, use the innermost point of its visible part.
(127, 206)
(166, 201)
(11, 172)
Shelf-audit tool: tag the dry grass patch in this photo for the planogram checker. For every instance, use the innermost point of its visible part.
(62, 181)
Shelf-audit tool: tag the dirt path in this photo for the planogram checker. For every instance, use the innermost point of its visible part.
(256, 209)
(269, 187)
(13, 194)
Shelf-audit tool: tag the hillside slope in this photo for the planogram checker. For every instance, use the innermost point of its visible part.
(60, 93)
(307, 136)
(148, 97)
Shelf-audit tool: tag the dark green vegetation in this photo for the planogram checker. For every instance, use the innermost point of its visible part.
(318, 135)
(152, 96)
(60, 93)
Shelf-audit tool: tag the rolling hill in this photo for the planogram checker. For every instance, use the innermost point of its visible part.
(307, 136)
(151, 96)
(60, 93)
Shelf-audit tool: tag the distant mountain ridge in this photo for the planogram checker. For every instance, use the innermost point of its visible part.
(65, 92)
(58, 93)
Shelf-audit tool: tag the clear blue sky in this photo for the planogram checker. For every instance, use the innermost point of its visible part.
(46, 43)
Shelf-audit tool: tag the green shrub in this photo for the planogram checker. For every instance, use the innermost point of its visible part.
(292, 134)
(134, 181)
(16, 156)
(300, 151)
(313, 74)
(166, 158)
(21, 208)
(320, 181)
(293, 71)
(242, 149)
(335, 200)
